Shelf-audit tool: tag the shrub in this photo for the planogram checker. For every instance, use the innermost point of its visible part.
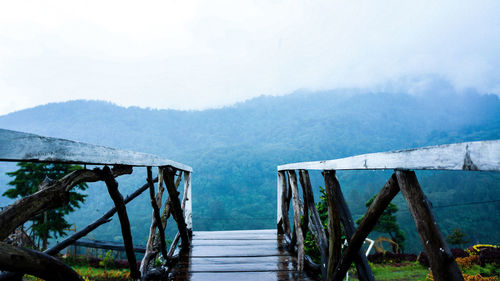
(111, 275)
(478, 277)
(468, 262)
(459, 253)
(467, 277)
(476, 249)
(489, 255)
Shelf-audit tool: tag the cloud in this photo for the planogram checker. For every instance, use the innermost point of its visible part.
(200, 54)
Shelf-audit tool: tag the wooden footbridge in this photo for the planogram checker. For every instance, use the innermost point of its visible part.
(276, 254)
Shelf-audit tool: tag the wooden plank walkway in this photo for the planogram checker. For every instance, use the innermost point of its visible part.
(237, 255)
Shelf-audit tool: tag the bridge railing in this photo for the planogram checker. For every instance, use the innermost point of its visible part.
(471, 156)
(23, 147)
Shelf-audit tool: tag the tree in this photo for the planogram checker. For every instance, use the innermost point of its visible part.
(27, 178)
(457, 237)
(387, 223)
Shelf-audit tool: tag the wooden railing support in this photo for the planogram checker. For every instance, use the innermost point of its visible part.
(283, 221)
(315, 224)
(364, 270)
(441, 260)
(334, 230)
(52, 195)
(296, 219)
(102, 220)
(376, 209)
(117, 198)
(176, 209)
(165, 215)
(154, 237)
(174, 245)
(187, 203)
(156, 213)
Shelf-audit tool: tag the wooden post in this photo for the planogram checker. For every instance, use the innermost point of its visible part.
(279, 206)
(174, 244)
(443, 265)
(175, 203)
(296, 219)
(385, 196)
(155, 239)
(334, 241)
(187, 203)
(156, 213)
(364, 270)
(283, 203)
(316, 226)
(124, 222)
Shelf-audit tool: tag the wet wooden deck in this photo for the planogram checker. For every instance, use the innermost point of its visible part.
(237, 255)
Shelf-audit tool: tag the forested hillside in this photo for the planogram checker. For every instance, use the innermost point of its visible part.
(235, 150)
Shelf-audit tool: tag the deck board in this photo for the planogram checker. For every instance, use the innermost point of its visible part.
(237, 255)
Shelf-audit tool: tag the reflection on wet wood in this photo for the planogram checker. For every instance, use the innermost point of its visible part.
(237, 255)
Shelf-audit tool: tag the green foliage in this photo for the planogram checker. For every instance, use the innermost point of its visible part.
(235, 150)
(158, 262)
(457, 237)
(387, 223)
(26, 181)
(409, 271)
(107, 260)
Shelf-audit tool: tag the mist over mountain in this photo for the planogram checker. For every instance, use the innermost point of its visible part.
(235, 150)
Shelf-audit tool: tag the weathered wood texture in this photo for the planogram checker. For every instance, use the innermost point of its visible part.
(187, 205)
(283, 204)
(296, 219)
(376, 209)
(107, 245)
(364, 270)
(117, 198)
(176, 207)
(173, 246)
(156, 213)
(315, 224)
(334, 229)
(52, 194)
(102, 220)
(16, 259)
(155, 239)
(237, 255)
(24, 147)
(443, 265)
(480, 156)
(151, 249)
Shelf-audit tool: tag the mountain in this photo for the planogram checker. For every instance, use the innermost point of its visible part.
(235, 150)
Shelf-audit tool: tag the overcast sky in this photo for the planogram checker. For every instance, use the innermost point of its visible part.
(201, 54)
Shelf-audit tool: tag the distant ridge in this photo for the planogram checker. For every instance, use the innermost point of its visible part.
(235, 149)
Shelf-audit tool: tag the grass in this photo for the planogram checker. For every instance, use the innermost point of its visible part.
(405, 272)
(408, 271)
(92, 273)
(413, 271)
